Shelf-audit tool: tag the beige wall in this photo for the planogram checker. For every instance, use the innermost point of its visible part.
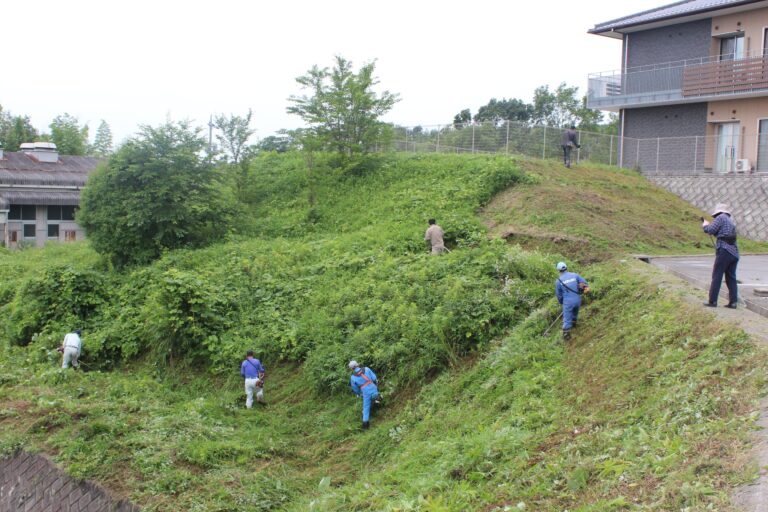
(748, 112)
(752, 23)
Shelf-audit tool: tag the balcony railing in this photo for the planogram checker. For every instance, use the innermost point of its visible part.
(679, 82)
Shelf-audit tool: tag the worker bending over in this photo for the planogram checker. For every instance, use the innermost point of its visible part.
(569, 288)
(363, 382)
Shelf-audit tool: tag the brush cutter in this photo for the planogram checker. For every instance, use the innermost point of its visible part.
(546, 333)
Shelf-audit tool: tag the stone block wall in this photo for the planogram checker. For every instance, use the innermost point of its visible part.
(32, 483)
(746, 194)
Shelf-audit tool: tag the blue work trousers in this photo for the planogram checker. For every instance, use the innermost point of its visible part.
(570, 314)
(725, 264)
(368, 398)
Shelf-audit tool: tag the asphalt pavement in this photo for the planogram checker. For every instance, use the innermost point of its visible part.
(752, 274)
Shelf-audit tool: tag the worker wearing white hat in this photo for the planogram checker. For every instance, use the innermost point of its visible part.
(726, 255)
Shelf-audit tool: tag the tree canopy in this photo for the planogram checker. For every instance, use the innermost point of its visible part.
(343, 110)
(15, 130)
(102, 144)
(70, 138)
(234, 132)
(156, 193)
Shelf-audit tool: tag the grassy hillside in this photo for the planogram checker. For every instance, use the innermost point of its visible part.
(647, 408)
(596, 212)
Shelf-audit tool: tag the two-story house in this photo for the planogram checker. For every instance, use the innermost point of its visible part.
(692, 92)
(39, 193)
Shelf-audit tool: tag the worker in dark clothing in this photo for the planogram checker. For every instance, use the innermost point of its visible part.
(726, 255)
(568, 288)
(568, 142)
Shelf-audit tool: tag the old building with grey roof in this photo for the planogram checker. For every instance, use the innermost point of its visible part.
(39, 194)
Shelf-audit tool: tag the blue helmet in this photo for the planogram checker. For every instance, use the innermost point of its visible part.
(562, 266)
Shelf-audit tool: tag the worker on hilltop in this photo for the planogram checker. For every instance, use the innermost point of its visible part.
(569, 289)
(569, 141)
(726, 255)
(363, 382)
(70, 349)
(253, 373)
(434, 235)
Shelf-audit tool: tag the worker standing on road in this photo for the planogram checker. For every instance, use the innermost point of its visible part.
(726, 255)
(569, 288)
(253, 373)
(70, 348)
(363, 382)
(434, 235)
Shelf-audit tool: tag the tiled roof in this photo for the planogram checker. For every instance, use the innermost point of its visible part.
(17, 168)
(676, 10)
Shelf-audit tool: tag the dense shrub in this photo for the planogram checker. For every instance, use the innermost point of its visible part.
(357, 283)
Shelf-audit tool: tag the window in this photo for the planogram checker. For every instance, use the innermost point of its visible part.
(70, 235)
(762, 146)
(61, 212)
(53, 231)
(22, 212)
(732, 48)
(29, 231)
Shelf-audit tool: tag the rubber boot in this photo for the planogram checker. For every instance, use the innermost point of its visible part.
(566, 334)
(366, 424)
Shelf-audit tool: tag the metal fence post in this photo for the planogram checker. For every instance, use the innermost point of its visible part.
(637, 160)
(658, 149)
(578, 148)
(544, 146)
(610, 153)
(437, 149)
(507, 145)
(473, 137)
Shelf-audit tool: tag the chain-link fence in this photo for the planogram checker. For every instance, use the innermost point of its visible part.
(505, 137)
(659, 156)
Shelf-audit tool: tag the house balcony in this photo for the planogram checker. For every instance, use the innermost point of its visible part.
(690, 81)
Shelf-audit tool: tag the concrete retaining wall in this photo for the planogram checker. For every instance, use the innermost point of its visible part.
(32, 483)
(747, 195)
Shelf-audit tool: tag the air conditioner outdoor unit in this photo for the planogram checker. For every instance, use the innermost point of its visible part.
(742, 165)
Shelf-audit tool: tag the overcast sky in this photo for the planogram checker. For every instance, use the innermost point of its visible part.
(141, 62)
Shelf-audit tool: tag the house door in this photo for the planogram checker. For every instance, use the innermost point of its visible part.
(727, 147)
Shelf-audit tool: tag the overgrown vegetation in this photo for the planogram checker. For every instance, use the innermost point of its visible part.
(647, 409)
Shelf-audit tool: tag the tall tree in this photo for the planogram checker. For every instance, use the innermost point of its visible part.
(462, 118)
(504, 110)
(234, 132)
(157, 192)
(102, 143)
(70, 138)
(563, 107)
(343, 111)
(15, 130)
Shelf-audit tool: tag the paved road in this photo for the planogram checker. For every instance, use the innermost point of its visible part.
(752, 273)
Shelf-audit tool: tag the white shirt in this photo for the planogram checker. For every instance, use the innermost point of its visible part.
(72, 340)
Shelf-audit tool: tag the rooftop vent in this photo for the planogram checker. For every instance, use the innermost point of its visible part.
(42, 151)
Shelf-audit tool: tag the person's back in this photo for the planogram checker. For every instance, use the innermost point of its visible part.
(435, 235)
(71, 347)
(569, 137)
(567, 287)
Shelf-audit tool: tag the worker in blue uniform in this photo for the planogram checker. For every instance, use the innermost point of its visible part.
(569, 287)
(363, 382)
